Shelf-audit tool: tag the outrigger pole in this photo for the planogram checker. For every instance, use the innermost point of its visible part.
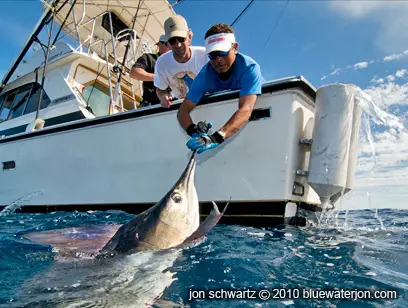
(127, 49)
(32, 38)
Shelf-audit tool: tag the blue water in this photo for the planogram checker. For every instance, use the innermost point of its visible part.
(355, 250)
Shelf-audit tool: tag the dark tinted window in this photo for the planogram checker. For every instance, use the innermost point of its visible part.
(20, 101)
(117, 25)
(34, 98)
(2, 100)
(8, 102)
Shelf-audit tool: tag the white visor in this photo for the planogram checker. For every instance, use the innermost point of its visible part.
(219, 42)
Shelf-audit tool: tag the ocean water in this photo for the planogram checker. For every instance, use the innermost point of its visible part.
(344, 260)
(356, 250)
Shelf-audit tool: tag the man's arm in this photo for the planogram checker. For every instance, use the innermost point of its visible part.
(241, 116)
(139, 69)
(164, 97)
(183, 114)
(251, 87)
(140, 74)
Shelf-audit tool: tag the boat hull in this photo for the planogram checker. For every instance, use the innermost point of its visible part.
(130, 160)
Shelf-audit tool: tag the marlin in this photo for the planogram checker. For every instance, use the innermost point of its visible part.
(173, 222)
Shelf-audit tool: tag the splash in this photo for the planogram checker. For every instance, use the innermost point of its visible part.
(378, 114)
(15, 205)
(373, 112)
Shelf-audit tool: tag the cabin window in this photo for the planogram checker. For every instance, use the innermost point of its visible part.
(97, 97)
(34, 98)
(20, 101)
(8, 102)
(1, 101)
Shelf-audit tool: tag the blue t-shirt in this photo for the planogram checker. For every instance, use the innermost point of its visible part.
(246, 77)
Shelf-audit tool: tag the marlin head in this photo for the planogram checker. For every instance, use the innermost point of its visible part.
(166, 224)
(180, 209)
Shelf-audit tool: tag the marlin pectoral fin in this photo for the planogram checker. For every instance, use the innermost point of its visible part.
(208, 224)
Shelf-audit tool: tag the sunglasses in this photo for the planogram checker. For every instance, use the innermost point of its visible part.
(173, 40)
(214, 54)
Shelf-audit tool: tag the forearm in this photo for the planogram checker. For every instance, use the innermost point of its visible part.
(236, 122)
(183, 114)
(240, 117)
(141, 74)
(184, 118)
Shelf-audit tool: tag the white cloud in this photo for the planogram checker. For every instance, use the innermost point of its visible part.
(394, 57)
(389, 93)
(360, 65)
(390, 78)
(389, 16)
(401, 73)
(375, 79)
(336, 72)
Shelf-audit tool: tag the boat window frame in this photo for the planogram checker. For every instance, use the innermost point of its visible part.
(91, 83)
(6, 95)
(37, 87)
(2, 96)
(16, 91)
(101, 83)
(100, 75)
(25, 87)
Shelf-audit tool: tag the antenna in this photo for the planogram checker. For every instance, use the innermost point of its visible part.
(242, 12)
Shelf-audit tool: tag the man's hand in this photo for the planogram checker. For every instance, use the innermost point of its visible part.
(199, 128)
(165, 100)
(203, 142)
(164, 97)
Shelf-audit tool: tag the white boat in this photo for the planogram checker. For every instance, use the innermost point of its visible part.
(90, 146)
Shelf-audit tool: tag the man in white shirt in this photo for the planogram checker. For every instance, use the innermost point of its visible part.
(177, 68)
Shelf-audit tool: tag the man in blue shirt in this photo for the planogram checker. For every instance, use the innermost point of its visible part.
(226, 70)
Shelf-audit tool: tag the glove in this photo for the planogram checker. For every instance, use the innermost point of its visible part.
(200, 128)
(203, 142)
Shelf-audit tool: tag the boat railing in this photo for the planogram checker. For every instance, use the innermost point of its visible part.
(141, 47)
(137, 46)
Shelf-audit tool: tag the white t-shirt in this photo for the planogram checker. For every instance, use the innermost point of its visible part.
(179, 76)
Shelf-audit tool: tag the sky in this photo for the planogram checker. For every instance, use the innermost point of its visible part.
(360, 42)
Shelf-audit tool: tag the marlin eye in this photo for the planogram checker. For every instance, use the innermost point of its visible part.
(176, 197)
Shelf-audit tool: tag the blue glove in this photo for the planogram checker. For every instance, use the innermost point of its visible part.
(203, 142)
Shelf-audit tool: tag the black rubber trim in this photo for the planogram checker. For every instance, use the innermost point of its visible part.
(284, 84)
(48, 122)
(242, 213)
(13, 130)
